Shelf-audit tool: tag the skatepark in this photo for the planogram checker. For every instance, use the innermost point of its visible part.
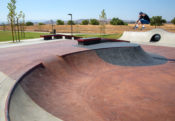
(60, 80)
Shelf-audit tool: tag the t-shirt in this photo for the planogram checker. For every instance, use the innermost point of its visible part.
(146, 17)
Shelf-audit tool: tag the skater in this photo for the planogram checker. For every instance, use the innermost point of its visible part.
(143, 19)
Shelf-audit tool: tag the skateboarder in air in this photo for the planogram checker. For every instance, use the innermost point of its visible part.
(143, 19)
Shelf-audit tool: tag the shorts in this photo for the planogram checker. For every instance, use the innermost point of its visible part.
(143, 21)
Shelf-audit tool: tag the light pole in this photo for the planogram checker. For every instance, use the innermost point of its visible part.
(71, 24)
(52, 25)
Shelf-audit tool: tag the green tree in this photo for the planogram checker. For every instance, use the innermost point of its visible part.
(18, 26)
(157, 21)
(103, 19)
(29, 23)
(71, 22)
(23, 26)
(173, 21)
(41, 24)
(85, 22)
(94, 22)
(60, 22)
(11, 16)
(117, 21)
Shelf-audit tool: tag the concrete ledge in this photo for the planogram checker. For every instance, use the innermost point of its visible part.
(6, 84)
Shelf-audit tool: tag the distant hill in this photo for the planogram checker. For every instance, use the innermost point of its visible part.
(78, 21)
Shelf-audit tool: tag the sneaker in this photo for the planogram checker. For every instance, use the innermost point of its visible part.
(142, 28)
(135, 27)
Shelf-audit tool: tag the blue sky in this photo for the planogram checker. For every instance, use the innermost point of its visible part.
(58, 9)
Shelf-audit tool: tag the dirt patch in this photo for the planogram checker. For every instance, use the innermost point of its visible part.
(110, 29)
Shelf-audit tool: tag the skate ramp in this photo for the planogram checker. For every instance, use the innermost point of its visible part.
(92, 85)
(166, 38)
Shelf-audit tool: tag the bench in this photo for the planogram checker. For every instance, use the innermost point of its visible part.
(46, 37)
(70, 37)
(58, 36)
(89, 41)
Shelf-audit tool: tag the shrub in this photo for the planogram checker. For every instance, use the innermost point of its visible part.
(94, 22)
(85, 22)
(71, 22)
(157, 21)
(173, 21)
(3, 26)
(41, 24)
(125, 23)
(60, 22)
(29, 23)
(117, 21)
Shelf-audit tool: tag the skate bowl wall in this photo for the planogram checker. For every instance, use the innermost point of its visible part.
(81, 85)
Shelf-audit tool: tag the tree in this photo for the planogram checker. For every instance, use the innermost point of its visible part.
(85, 22)
(14, 20)
(17, 20)
(103, 19)
(173, 21)
(157, 21)
(23, 25)
(41, 24)
(117, 21)
(29, 23)
(94, 22)
(11, 16)
(60, 22)
(71, 22)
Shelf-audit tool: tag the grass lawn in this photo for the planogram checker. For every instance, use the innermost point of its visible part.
(7, 36)
(110, 36)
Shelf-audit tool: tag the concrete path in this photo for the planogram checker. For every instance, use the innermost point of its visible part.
(27, 42)
(33, 41)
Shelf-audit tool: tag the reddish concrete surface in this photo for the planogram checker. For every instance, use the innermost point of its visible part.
(17, 60)
(82, 87)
